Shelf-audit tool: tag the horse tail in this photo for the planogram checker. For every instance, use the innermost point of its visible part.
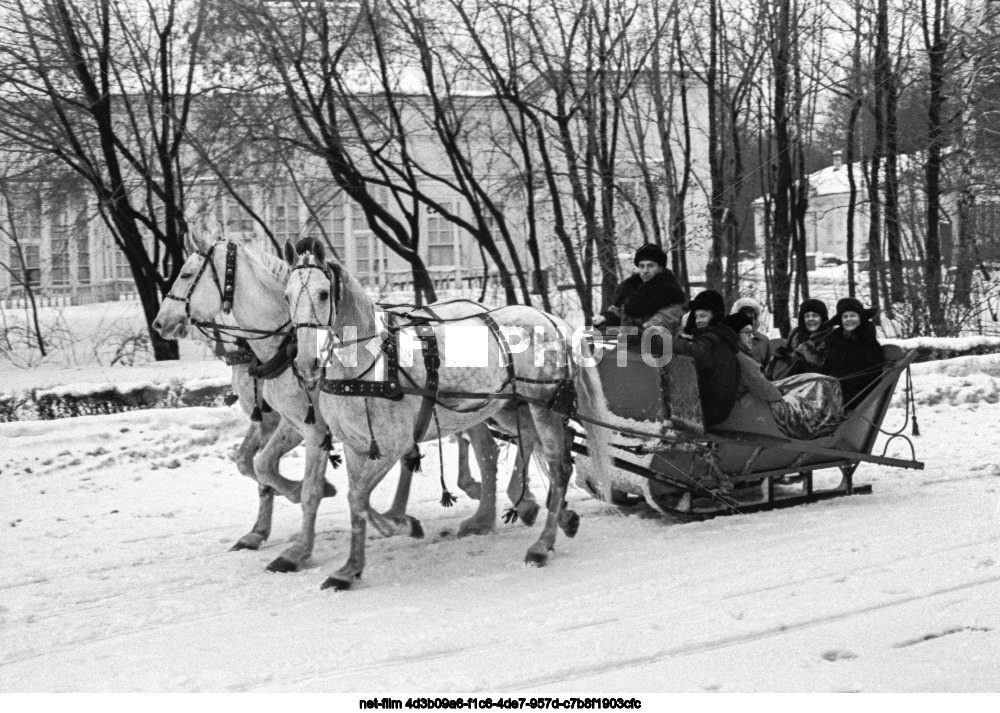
(592, 404)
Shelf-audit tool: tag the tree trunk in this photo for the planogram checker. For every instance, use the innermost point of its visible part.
(936, 44)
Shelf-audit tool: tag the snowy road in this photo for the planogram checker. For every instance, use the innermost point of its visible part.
(117, 576)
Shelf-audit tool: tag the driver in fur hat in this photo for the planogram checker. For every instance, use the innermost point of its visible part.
(650, 297)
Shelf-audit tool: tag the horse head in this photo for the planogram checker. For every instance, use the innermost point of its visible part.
(312, 294)
(197, 290)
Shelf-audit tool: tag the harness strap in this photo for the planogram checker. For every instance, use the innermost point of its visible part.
(432, 362)
(279, 363)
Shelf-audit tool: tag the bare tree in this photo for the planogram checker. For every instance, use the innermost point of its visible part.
(106, 87)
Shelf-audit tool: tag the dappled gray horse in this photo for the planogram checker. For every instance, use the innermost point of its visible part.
(511, 389)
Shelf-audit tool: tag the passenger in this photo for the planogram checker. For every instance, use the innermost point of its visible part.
(852, 351)
(651, 297)
(761, 347)
(806, 346)
(813, 317)
(804, 406)
(752, 380)
(714, 348)
(706, 309)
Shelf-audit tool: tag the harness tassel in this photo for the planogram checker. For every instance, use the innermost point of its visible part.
(509, 516)
(231, 399)
(335, 460)
(447, 499)
(311, 416)
(255, 415)
(373, 450)
(413, 461)
(327, 442)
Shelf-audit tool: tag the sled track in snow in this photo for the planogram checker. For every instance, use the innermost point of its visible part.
(309, 594)
(580, 672)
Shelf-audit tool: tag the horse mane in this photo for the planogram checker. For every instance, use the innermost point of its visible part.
(271, 269)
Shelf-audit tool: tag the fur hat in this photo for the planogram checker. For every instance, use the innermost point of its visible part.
(816, 306)
(849, 304)
(653, 252)
(709, 300)
(737, 321)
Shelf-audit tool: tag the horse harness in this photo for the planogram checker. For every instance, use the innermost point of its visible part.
(392, 388)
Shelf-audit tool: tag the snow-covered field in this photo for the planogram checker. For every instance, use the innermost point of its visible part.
(117, 575)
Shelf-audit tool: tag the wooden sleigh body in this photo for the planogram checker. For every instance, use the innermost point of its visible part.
(683, 467)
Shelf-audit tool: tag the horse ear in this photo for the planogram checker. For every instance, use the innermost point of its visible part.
(189, 246)
(318, 252)
(288, 251)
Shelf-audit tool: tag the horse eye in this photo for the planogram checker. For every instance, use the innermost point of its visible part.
(185, 276)
(324, 295)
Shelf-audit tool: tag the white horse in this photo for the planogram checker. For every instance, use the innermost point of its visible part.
(259, 312)
(324, 297)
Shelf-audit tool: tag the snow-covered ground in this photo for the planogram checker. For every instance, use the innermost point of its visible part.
(117, 575)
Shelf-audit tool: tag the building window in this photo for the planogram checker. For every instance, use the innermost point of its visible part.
(285, 214)
(442, 247)
(83, 258)
(60, 259)
(328, 222)
(32, 261)
(26, 230)
(236, 218)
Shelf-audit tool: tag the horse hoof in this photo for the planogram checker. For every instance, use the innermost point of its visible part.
(570, 523)
(241, 545)
(536, 559)
(416, 529)
(282, 565)
(474, 528)
(529, 515)
(338, 584)
(328, 490)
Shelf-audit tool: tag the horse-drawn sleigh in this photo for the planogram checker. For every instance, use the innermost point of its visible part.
(649, 443)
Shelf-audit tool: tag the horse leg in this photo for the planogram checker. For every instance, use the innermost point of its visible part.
(296, 555)
(402, 497)
(243, 457)
(363, 476)
(556, 441)
(265, 463)
(262, 528)
(518, 489)
(487, 453)
(466, 482)
(256, 436)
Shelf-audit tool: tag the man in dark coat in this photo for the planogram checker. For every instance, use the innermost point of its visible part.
(651, 297)
(714, 350)
(852, 352)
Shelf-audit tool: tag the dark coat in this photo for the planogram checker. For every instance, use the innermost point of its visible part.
(638, 301)
(854, 359)
(714, 350)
